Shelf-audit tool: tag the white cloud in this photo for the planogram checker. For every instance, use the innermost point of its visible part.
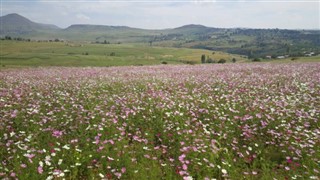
(156, 14)
(83, 17)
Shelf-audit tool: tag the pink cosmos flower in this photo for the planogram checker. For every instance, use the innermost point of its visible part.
(40, 170)
(123, 170)
(13, 174)
(14, 114)
(181, 158)
(57, 133)
(184, 167)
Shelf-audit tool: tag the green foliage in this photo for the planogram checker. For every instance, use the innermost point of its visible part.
(203, 58)
(222, 61)
(256, 60)
(210, 60)
(8, 37)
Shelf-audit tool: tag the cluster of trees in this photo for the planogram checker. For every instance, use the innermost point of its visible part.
(56, 40)
(9, 38)
(105, 42)
(207, 59)
(15, 38)
(86, 53)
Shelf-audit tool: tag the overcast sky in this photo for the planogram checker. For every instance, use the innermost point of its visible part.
(157, 14)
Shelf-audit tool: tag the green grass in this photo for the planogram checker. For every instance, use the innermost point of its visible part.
(14, 53)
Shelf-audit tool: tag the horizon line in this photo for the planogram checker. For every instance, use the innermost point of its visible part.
(317, 29)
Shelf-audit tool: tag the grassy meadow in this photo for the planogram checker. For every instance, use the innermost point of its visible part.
(15, 53)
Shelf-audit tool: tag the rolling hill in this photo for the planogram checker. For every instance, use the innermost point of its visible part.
(17, 25)
(250, 42)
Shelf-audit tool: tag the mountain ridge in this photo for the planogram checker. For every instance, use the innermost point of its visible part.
(244, 41)
(16, 22)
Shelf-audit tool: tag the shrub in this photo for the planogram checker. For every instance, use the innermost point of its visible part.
(209, 60)
(256, 60)
(222, 61)
(189, 62)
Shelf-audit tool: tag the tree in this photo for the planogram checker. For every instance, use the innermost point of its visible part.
(8, 37)
(209, 60)
(222, 61)
(234, 60)
(203, 58)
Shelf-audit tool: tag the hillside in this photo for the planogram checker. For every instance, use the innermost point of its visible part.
(16, 25)
(250, 42)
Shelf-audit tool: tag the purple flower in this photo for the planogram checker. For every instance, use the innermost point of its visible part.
(57, 133)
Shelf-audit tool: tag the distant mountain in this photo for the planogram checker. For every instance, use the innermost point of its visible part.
(15, 24)
(84, 32)
(191, 27)
(244, 41)
(88, 27)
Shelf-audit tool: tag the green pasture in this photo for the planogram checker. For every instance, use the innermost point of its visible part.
(17, 53)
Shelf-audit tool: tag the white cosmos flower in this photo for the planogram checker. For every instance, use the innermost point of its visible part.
(66, 147)
(49, 178)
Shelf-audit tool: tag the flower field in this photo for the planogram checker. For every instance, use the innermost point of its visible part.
(232, 121)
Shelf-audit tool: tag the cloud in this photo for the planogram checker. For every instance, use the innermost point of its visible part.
(155, 14)
(83, 17)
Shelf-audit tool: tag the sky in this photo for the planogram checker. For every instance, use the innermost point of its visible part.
(160, 14)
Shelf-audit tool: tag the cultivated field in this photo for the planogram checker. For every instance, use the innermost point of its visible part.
(232, 121)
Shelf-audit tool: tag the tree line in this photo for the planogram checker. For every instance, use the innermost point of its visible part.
(206, 59)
